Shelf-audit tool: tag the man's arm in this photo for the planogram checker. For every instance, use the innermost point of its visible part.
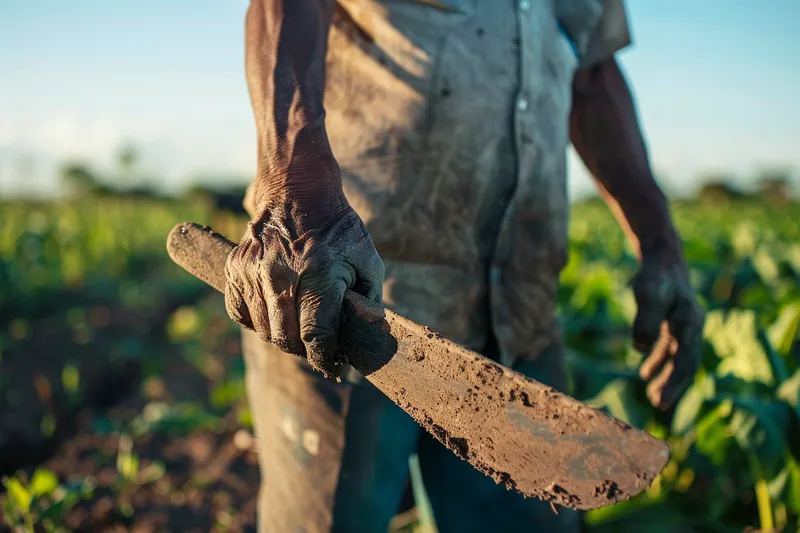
(305, 245)
(286, 44)
(605, 132)
(669, 321)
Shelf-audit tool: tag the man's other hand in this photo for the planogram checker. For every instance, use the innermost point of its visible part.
(288, 282)
(668, 329)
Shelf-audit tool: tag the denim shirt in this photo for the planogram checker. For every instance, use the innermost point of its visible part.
(594, 28)
(449, 121)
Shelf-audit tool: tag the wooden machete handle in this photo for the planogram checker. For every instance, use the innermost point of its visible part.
(201, 252)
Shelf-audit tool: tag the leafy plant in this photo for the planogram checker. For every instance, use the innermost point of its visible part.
(131, 475)
(43, 501)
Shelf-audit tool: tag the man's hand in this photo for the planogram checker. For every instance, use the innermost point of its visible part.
(288, 283)
(605, 131)
(668, 329)
(306, 245)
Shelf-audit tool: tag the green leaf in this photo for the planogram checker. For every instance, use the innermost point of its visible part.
(597, 282)
(784, 332)
(777, 484)
(227, 393)
(43, 482)
(427, 522)
(712, 437)
(591, 376)
(691, 404)
(153, 472)
(57, 511)
(789, 391)
(618, 399)
(766, 266)
(8, 512)
(761, 427)
(183, 324)
(664, 515)
(792, 495)
(18, 494)
(735, 340)
(70, 379)
(776, 362)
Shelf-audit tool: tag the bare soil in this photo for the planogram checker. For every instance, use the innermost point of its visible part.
(210, 475)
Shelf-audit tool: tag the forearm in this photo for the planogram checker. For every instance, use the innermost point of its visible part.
(605, 132)
(286, 44)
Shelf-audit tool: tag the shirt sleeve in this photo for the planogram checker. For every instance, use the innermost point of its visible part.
(611, 34)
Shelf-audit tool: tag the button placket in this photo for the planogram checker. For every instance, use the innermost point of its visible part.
(522, 131)
(523, 120)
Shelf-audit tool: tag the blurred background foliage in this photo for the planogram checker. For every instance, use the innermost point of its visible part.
(85, 284)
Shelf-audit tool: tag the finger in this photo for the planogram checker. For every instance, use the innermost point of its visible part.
(320, 314)
(256, 297)
(658, 356)
(655, 389)
(369, 281)
(236, 307)
(243, 267)
(235, 303)
(281, 300)
(654, 297)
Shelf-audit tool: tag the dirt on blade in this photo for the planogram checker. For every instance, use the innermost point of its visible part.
(584, 458)
(516, 430)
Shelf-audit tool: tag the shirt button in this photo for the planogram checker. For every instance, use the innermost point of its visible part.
(524, 5)
(522, 104)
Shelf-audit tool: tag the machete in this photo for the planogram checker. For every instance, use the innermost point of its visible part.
(514, 429)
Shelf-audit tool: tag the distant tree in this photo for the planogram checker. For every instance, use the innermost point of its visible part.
(226, 197)
(719, 187)
(775, 184)
(78, 179)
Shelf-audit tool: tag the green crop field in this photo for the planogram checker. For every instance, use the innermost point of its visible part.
(122, 396)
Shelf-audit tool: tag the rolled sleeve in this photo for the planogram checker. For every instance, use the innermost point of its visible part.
(611, 34)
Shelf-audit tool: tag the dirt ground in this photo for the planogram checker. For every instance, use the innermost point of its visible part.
(207, 474)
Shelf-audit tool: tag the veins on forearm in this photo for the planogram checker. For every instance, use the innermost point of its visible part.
(286, 44)
(605, 132)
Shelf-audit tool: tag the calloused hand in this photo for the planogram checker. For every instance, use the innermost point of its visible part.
(668, 329)
(288, 282)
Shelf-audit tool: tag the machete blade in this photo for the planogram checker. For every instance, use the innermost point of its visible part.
(517, 431)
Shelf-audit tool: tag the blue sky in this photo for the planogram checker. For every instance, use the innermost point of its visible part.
(715, 81)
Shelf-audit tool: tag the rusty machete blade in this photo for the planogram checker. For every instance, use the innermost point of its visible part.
(518, 431)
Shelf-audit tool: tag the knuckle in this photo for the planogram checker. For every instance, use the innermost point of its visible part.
(313, 286)
(279, 274)
(316, 336)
